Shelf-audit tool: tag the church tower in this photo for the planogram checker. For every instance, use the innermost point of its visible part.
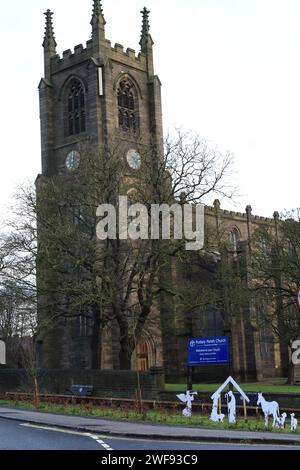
(94, 92)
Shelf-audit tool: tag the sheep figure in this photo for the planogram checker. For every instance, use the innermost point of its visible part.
(294, 423)
(281, 421)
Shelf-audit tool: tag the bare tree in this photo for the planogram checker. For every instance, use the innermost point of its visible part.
(276, 271)
(112, 280)
(17, 298)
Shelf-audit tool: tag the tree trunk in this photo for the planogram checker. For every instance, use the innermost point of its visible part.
(125, 361)
(291, 367)
(96, 342)
(36, 397)
(291, 374)
(127, 345)
(126, 352)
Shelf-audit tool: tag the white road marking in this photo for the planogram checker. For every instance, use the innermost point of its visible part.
(203, 443)
(98, 438)
(105, 446)
(54, 429)
(66, 431)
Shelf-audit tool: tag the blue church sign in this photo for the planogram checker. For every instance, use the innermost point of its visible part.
(213, 350)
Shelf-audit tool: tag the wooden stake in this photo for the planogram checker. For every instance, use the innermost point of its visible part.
(245, 410)
(220, 405)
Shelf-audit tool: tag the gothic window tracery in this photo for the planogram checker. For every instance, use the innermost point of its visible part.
(265, 332)
(76, 108)
(127, 107)
(234, 240)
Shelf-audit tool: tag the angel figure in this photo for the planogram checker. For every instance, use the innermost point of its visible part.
(187, 398)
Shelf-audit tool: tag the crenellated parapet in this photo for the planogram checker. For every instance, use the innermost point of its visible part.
(70, 58)
(119, 54)
(98, 46)
(239, 215)
(80, 54)
(224, 221)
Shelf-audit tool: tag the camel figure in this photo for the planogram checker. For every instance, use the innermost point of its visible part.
(269, 408)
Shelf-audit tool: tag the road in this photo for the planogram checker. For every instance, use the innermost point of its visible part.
(15, 435)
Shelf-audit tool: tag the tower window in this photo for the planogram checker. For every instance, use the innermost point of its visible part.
(127, 107)
(76, 108)
(84, 325)
(234, 240)
(265, 331)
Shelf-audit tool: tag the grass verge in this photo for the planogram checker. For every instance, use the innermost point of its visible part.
(278, 386)
(159, 416)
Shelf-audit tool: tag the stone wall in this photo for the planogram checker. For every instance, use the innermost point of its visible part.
(107, 383)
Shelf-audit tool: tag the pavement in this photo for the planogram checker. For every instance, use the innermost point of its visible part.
(146, 431)
(18, 436)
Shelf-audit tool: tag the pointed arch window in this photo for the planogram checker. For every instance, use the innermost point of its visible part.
(234, 238)
(127, 107)
(265, 332)
(76, 108)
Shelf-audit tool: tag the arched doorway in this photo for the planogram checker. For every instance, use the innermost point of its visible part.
(143, 356)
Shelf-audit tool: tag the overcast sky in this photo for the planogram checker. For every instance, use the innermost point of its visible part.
(230, 70)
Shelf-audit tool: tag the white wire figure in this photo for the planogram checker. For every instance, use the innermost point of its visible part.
(187, 398)
(269, 408)
(231, 406)
(294, 423)
(281, 421)
(215, 416)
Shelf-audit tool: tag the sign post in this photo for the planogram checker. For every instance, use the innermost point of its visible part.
(190, 378)
(245, 409)
(206, 351)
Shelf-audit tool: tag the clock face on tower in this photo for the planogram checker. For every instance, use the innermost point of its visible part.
(73, 160)
(134, 159)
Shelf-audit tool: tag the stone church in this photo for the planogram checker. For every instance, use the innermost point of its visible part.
(94, 91)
